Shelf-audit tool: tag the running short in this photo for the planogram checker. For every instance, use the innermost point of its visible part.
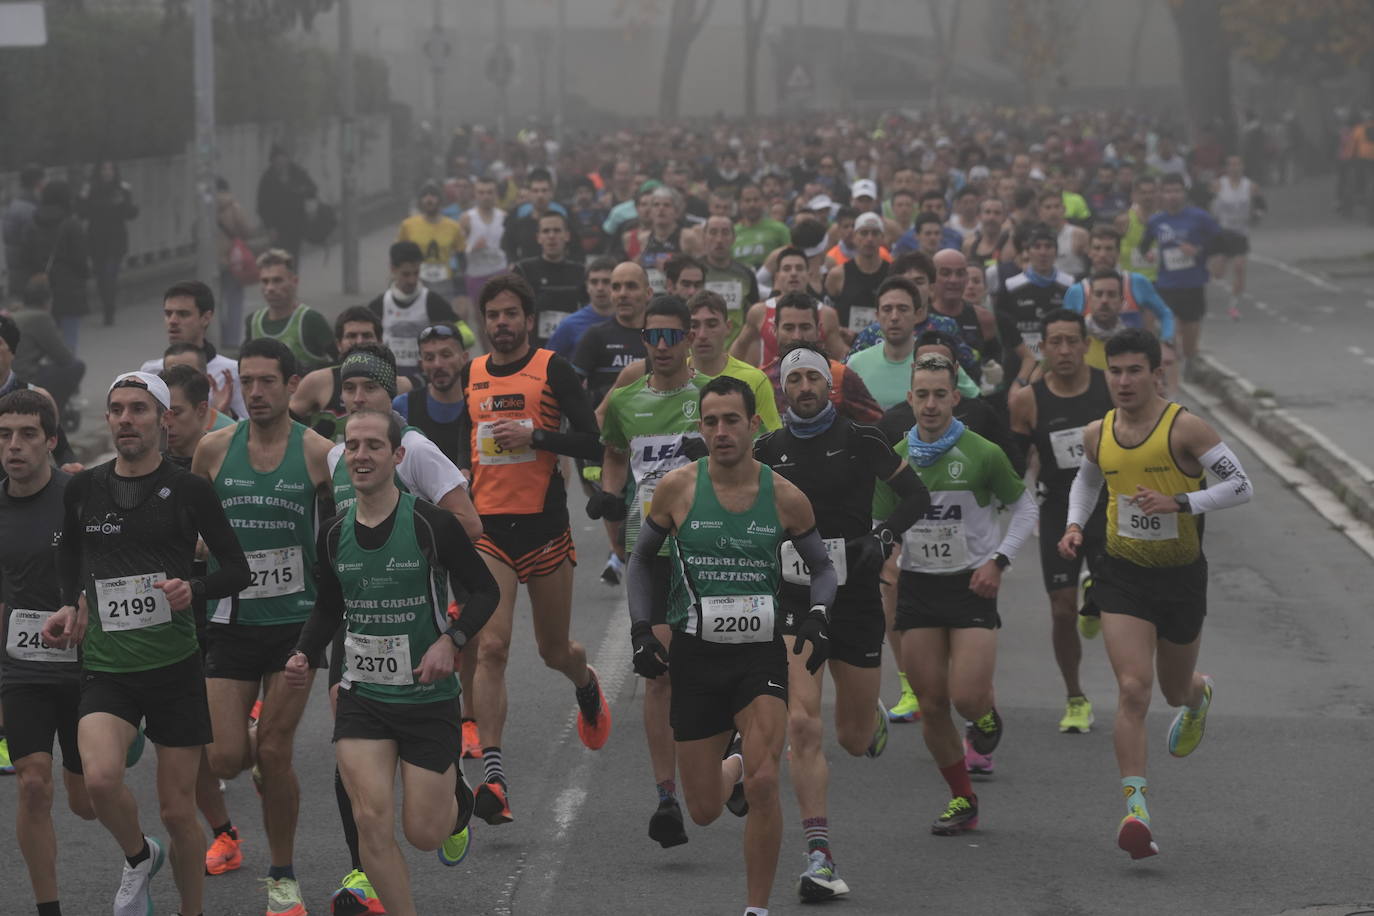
(532, 545)
(712, 683)
(1173, 598)
(946, 602)
(857, 624)
(1188, 303)
(169, 701)
(1229, 243)
(238, 652)
(35, 713)
(427, 735)
(1058, 572)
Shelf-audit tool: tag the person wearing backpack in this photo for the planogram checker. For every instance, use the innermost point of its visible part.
(55, 246)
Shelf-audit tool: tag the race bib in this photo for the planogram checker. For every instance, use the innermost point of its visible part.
(274, 573)
(25, 642)
(729, 290)
(406, 349)
(434, 273)
(937, 546)
(1177, 259)
(548, 322)
(492, 453)
(861, 316)
(1032, 340)
(483, 262)
(658, 280)
(379, 659)
(1132, 522)
(798, 573)
(737, 618)
(131, 602)
(1067, 445)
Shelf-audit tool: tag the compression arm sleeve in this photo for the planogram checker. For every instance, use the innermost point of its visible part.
(324, 620)
(583, 439)
(468, 575)
(232, 576)
(915, 500)
(1234, 488)
(824, 581)
(1025, 515)
(639, 586)
(1148, 296)
(69, 548)
(1087, 483)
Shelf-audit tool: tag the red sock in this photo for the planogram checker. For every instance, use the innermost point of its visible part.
(956, 774)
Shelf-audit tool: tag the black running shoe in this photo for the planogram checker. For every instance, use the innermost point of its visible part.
(986, 733)
(737, 803)
(960, 815)
(666, 826)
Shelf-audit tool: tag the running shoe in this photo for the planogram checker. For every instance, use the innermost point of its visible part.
(977, 764)
(666, 827)
(878, 743)
(355, 897)
(1185, 734)
(961, 814)
(6, 764)
(1089, 616)
(985, 733)
(1078, 716)
(820, 881)
(597, 731)
(1134, 834)
(491, 804)
(135, 752)
(255, 713)
(135, 894)
(225, 854)
(283, 897)
(455, 848)
(908, 708)
(737, 802)
(613, 571)
(256, 774)
(472, 741)
(1089, 625)
(1234, 311)
(454, 610)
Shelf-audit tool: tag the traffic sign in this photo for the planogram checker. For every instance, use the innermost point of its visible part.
(800, 79)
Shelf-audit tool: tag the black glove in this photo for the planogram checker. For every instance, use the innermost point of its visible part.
(815, 629)
(650, 658)
(867, 553)
(610, 506)
(694, 447)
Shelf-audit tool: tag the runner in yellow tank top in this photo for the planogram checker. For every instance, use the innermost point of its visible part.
(1152, 583)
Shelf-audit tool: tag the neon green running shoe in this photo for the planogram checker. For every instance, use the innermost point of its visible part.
(355, 896)
(455, 848)
(1185, 734)
(1078, 716)
(878, 743)
(1089, 625)
(908, 708)
(6, 764)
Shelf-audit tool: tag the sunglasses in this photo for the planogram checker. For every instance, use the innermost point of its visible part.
(655, 336)
(438, 330)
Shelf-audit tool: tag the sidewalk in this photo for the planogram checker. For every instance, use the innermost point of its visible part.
(138, 335)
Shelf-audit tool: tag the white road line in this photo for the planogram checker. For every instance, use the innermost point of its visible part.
(1363, 470)
(1304, 484)
(1305, 328)
(1261, 305)
(1370, 360)
(1319, 282)
(1369, 303)
(1356, 350)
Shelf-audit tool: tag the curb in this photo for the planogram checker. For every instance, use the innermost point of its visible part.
(1347, 482)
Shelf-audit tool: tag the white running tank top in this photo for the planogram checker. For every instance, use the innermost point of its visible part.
(401, 328)
(1068, 260)
(489, 259)
(1232, 204)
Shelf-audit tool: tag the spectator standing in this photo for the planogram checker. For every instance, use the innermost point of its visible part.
(233, 227)
(43, 357)
(55, 245)
(284, 192)
(16, 220)
(107, 205)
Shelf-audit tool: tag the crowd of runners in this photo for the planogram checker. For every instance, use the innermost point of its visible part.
(822, 380)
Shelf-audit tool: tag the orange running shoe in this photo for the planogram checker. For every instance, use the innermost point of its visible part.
(472, 743)
(490, 803)
(255, 713)
(455, 610)
(596, 733)
(225, 854)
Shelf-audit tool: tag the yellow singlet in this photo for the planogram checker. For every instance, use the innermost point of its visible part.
(1168, 539)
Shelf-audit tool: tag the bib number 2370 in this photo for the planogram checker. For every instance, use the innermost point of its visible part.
(379, 659)
(737, 618)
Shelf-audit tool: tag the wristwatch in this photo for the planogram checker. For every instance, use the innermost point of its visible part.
(1182, 502)
(460, 639)
(1002, 561)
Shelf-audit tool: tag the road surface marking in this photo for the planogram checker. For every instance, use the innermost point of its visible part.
(1319, 282)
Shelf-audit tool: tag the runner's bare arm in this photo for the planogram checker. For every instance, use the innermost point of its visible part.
(210, 451)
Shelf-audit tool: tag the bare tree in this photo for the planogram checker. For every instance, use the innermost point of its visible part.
(755, 12)
(684, 25)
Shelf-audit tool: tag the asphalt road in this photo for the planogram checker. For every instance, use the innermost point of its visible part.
(1262, 819)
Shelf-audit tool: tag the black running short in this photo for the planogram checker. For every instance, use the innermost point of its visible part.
(1058, 572)
(532, 545)
(36, 713)
(1229, 243)
(945, 602)
(238, 652)
(427, 735)
(857, 623)
(169, 701)
(713, 682)
(1173, 598)
(1188, 303)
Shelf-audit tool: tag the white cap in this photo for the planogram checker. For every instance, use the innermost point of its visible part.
(820, 202)
(154, 385)
(868, 221)
(864, 187)
(803, 358)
